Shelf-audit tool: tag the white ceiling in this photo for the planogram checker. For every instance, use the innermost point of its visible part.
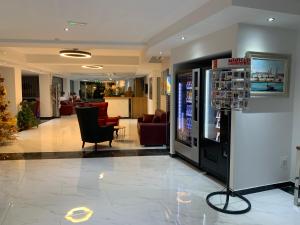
(222, 19)
(113, 21)
(121, 34)
(55, 51)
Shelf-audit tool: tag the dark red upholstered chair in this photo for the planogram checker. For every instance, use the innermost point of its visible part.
(66, 108)
(153, 130)
(103, 119)
(89, 129)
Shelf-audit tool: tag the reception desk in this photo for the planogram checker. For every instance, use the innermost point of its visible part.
(126, 107)
(118, 106)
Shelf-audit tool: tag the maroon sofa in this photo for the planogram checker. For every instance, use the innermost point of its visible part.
(66, 108)
(153, 130)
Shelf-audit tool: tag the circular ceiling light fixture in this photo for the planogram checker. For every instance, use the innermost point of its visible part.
(75, 53)
(183, 38)
(271, 19)
(92, 67)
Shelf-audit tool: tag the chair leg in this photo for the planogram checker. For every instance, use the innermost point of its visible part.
(110, 143)
(95, 146)
(83, 143)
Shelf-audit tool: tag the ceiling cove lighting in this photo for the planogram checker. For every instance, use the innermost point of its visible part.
(75, 53)
(92, 67)
(271, 19)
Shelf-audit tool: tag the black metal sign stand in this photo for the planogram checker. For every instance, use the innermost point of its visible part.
(228, 193)
(218, 66)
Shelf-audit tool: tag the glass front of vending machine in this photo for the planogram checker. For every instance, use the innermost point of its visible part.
(215, 142)
(187, 115)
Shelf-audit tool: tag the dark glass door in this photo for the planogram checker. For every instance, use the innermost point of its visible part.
(215, 133)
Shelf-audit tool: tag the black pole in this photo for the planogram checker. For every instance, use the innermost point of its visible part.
(228, 193)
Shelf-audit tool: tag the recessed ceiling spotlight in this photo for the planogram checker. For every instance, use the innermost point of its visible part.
(271, 19)
(93, 67)
(160, 52)
(75, 53)
(183, 38)
(66, 29)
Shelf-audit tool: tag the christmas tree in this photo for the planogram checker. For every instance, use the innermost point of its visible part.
(7, 122)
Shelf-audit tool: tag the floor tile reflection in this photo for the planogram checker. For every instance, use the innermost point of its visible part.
(63, 134)
(123, 191)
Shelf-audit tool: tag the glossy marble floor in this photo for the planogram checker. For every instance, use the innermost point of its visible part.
(147, 190)
(63, 134)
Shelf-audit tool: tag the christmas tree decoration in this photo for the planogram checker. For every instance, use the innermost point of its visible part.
(26, 118)
(7, 122)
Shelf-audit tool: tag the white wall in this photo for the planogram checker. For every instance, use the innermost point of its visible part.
(76, 86)
(45, 81)
(215, 43)
(261, 138)
(296, 113)
(66, 86)
(13, 85)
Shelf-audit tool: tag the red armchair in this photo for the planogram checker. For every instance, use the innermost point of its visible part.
(153, 130)
(103, 119)
(66, 108)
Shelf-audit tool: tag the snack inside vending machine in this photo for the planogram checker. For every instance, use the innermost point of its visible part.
(187, 115)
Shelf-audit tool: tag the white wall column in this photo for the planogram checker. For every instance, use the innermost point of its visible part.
(45, 81)
(76, 86)
(296, 113)
(172, 112)
(13, 85)
(67, 86)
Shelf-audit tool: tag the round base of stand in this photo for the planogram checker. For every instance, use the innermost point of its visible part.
(228, 195)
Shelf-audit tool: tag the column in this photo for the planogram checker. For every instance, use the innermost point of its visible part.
(172, 112)
(76, 87)
(67, 87)
(13, 85)
(45, 81)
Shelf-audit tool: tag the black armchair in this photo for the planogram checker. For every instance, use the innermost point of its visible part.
(89, 128)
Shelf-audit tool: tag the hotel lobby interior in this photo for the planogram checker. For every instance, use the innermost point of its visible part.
(149, 112)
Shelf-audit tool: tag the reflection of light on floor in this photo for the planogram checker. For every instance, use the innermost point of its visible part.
(79, 215)
(101, 176)
(181, 196)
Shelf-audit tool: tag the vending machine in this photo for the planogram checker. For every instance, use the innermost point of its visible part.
(202, 134)
(215, 141)
(187, 115)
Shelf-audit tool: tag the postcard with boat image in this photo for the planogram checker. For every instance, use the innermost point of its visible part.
(269, 74)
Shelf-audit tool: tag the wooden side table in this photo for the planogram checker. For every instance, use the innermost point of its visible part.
(121, 129)
(296, 190)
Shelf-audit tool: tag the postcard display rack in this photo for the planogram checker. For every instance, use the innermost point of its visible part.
(230, 92)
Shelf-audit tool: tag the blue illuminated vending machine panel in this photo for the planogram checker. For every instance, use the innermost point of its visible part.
(184, 109)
